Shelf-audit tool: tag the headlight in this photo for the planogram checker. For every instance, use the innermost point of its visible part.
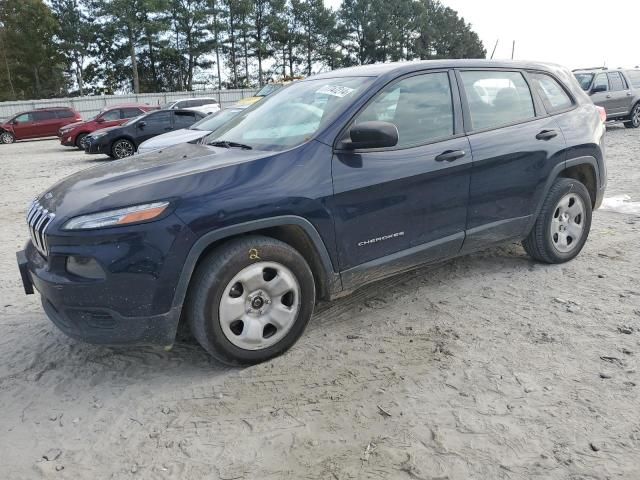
(121, 216)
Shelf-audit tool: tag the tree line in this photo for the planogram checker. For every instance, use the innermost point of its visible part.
(78, 47)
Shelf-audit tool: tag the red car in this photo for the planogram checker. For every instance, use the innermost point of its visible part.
(73, 135)
(43, 122)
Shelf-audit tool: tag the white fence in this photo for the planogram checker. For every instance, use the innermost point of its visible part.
(91, 105)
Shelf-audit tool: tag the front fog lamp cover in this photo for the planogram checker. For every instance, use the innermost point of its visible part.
(85, 267)
(121, 216)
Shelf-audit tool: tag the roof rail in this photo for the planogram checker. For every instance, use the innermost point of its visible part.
(590, 68)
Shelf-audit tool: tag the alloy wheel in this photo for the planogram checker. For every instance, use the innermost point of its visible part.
(567, 223)
(123, 148)
(6, 137)
(259, 305)
(635, 116)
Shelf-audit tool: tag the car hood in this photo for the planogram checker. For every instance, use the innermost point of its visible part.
(71, 126)
(171, 138)
(144, 178)
(105, 129)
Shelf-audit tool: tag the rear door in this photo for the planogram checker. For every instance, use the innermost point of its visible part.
(154, 124)
(46, 123)
(515, 145)
(621, 97)
(406, 204)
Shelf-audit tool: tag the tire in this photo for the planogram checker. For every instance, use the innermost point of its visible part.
(7, 137)
(634, 118)
(563, 224)
(250, 300)
(122, 148)
(80, 140)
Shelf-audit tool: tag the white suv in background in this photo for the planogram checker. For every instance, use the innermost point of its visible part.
(202, 104)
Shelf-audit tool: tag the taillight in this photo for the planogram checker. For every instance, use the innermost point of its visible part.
(603, 113)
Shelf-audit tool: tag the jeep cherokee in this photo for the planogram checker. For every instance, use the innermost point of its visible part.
(328, 184)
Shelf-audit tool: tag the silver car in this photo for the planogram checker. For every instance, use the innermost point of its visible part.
(617, 90)
(195, 132)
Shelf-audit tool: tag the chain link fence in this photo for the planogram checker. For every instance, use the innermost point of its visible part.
(89, 106)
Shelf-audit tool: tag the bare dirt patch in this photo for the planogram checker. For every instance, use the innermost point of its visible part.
(490, 366)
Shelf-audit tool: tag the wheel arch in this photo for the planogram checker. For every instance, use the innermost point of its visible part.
(295, 231)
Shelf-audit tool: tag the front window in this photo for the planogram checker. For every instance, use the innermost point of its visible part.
(293, 115)
(24, 118)
(601, 82)
(584, 79)
(111, 116)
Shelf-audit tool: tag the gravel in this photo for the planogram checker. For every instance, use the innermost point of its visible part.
(472, 369)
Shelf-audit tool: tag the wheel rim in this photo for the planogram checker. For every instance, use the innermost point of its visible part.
(123, 149)
(636, 116)
(7, 138)
(259, 305)
(567, 224)
(83, 142)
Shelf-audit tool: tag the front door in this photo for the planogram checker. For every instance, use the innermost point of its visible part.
(24, 126)
(154, 124)
(515, 145)
(407, 204)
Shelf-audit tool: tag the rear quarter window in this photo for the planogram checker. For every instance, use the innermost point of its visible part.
(497, 98)
(634, 78)
(554, 97)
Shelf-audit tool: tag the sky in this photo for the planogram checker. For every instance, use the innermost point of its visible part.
(573, 33)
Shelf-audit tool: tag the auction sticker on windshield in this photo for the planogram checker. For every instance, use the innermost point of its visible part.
(335, 90)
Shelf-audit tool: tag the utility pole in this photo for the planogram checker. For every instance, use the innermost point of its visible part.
(494, 49)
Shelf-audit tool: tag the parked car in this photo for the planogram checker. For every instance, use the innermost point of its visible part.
(196, 131)
(39, 123)
(123, 141)
(617, 90)
(204, 105)
(73, 135)
(312, 193)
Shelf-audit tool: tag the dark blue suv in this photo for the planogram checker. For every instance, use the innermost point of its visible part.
(328, 184)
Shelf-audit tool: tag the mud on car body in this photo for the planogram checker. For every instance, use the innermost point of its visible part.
(328, 184)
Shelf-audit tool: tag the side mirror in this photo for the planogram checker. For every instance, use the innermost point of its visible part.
(599, 88)
(373, 135)
(100, 120)
(142, 124)
(15, 122)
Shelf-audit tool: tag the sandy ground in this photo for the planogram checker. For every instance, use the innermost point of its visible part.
(487, 367)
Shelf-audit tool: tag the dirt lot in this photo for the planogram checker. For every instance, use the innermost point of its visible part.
(486, 367)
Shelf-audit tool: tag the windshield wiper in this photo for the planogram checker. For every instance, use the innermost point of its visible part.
(228, 144)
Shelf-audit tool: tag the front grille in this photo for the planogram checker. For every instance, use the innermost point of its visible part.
(38, 219)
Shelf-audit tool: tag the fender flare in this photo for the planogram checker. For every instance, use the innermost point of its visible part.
(555, 173)
(332, 277)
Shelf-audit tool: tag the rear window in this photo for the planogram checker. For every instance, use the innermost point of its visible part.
(184, 119)
(65, 113)
(554, 97)
(634, 77)
(41, 116)
(497, 98)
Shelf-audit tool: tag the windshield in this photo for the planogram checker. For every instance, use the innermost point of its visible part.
(268, 89)
(292, 115)
(584, 79)
(215, 121)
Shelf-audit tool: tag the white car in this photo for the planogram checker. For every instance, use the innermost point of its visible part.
(195, 132)
(202, 104)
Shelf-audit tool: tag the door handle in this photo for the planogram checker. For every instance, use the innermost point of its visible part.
(450, 155)
(629, 94)
(547, 135)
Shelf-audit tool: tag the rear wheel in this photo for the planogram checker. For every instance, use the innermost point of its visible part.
(7, 137)
(250, 300)
(563, 225)
(122, 148)
(81, 141)
(634, 118)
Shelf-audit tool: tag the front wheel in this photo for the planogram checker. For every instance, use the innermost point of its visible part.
(250, 300)
(122, 148)
(81, 141)
(634, 118)
(563, 224)
(7, 137)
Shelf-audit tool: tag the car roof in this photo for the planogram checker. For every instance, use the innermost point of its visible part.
(380, 69)
(194, 98)
(126, 105)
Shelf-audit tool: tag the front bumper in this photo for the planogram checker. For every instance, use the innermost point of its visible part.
(132, 304)
(67, 140)
(96, 146)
